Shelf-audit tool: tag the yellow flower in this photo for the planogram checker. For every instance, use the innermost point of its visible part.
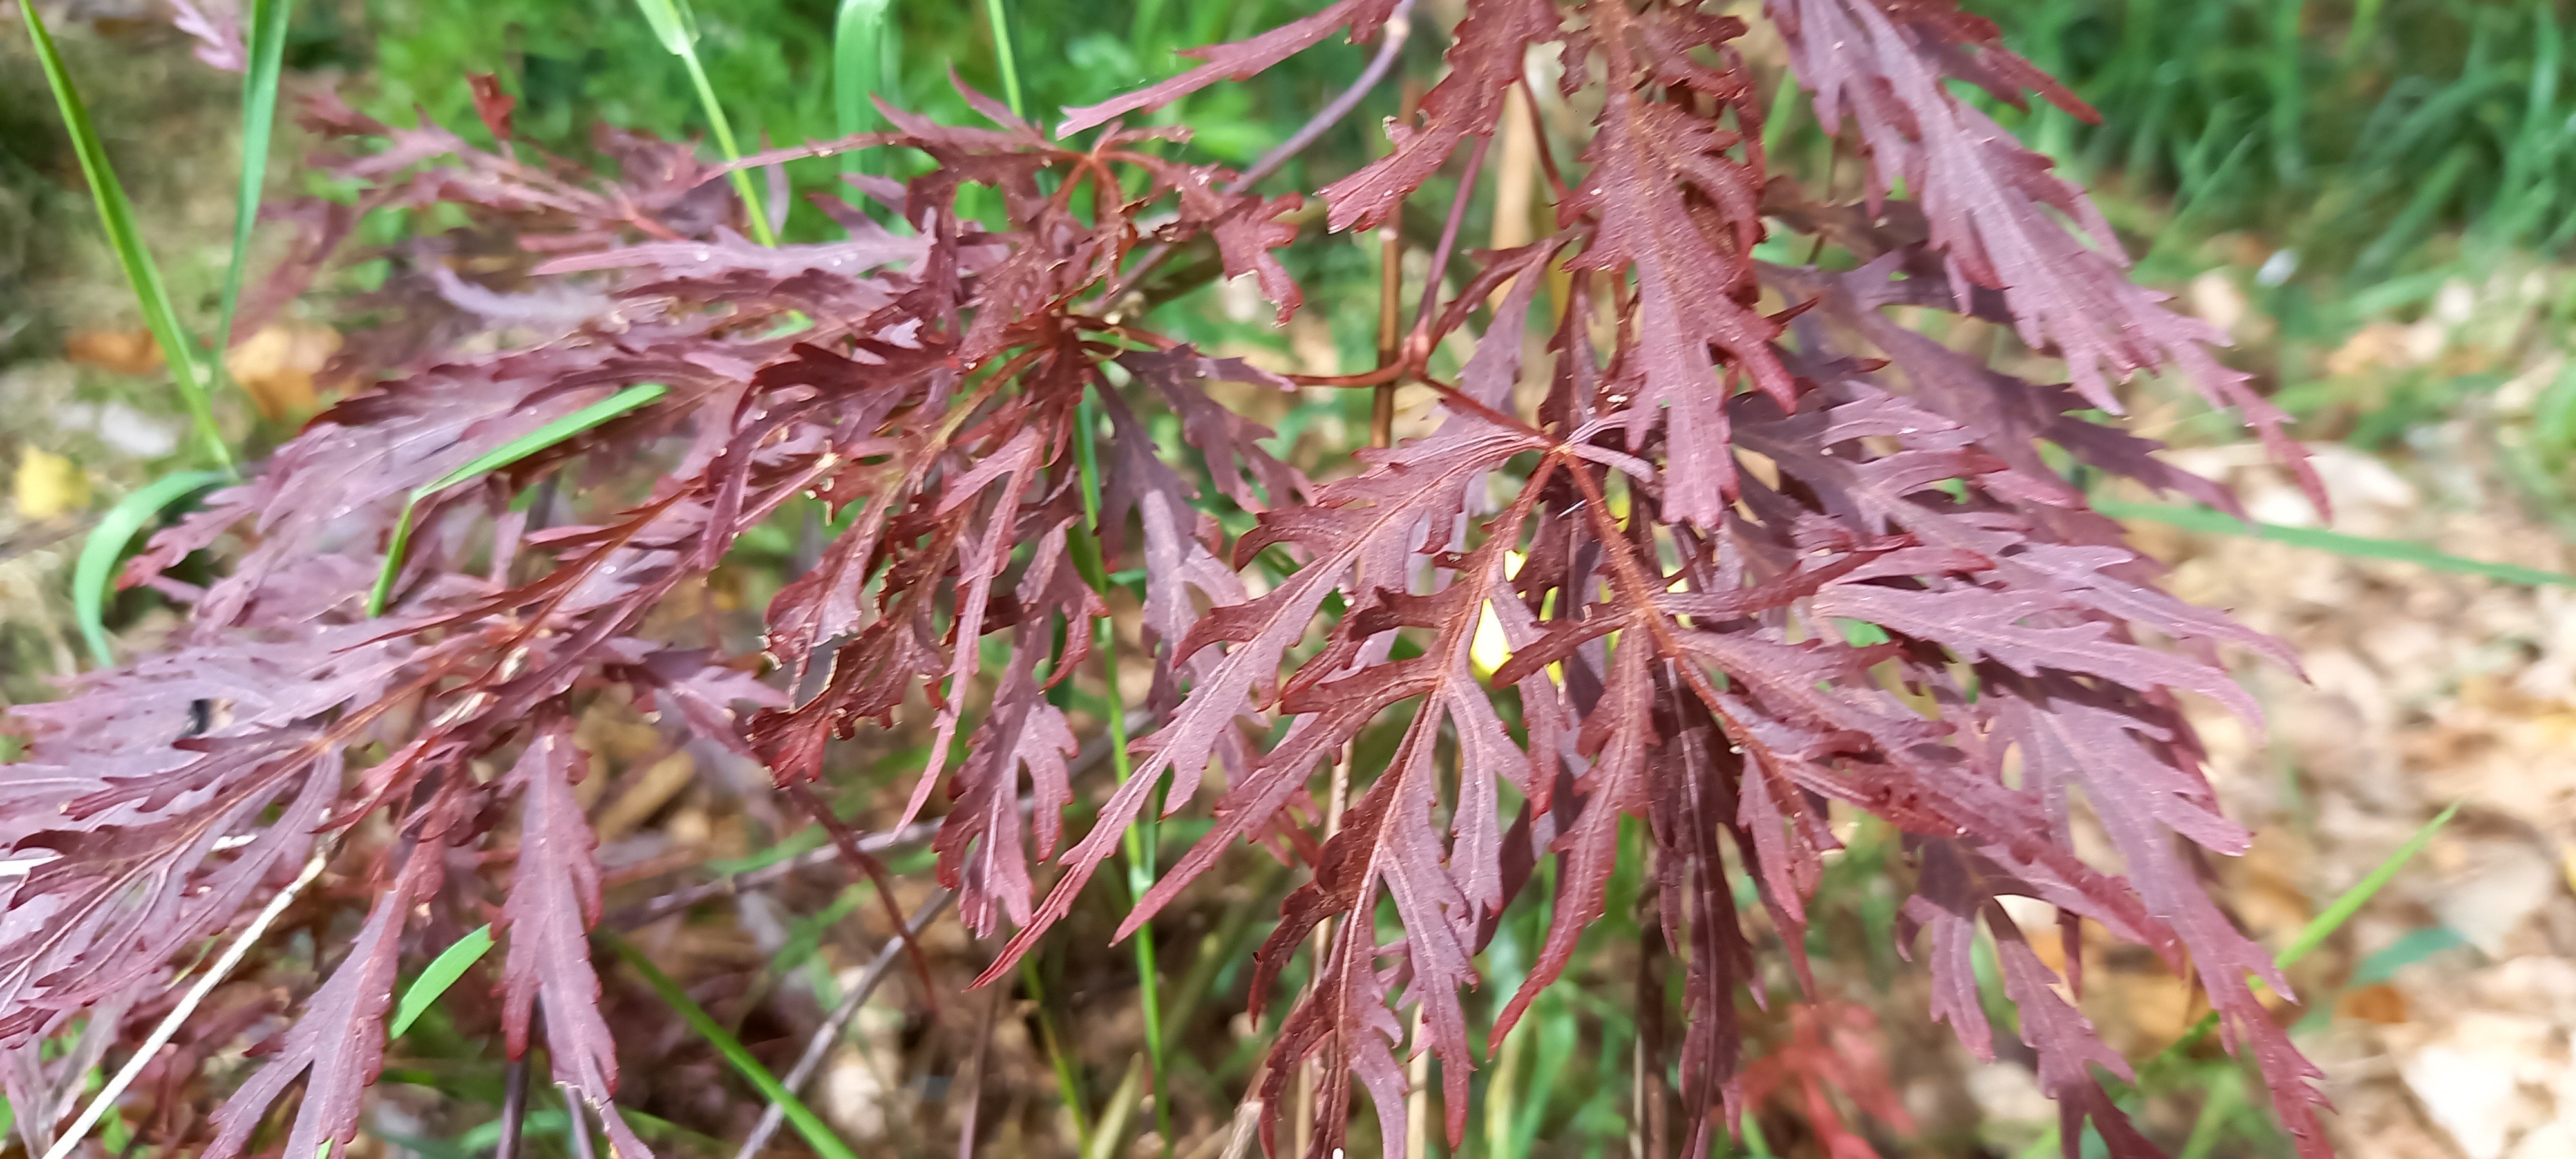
(1490, 648)
(49, 485)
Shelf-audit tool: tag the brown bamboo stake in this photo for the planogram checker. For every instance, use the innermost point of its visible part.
(1515, 178)
(1390, 306)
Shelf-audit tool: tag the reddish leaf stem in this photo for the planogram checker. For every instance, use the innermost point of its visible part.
(1422, 314)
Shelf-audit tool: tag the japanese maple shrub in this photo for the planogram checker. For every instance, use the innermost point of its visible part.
(1724, 462)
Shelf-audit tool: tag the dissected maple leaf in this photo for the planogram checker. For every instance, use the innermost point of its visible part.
(1996, 211)
(1485, 62)
(339, 1044)
(554, 902)
(1833, 1048)
(1695, 329)
(1240, 60)
(981, 853)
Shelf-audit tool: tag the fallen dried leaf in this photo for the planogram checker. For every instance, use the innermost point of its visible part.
(276, 367)
(122, 351)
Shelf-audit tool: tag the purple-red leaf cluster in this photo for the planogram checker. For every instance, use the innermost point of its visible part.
(1760, 556)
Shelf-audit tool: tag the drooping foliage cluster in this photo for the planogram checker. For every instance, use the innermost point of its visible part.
(1758, 550)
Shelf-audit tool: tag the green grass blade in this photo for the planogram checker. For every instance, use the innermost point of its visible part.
(1145, 33)
(999, 14)
(858, 69)
(2207, 521)
(2407, 229)
(675, 24)
(2226, 1097)
(548, 436)
(755, 208)
(2357, 34)
(2320, 927)
(116, 213)
(259, 124)
(2310, 936)
(2333, 917)
(1086, 461)
(94, 575)
(450, 965)
(1138, 843)
(1783, 115)
(817, 1134)
(540, 439)
(1754, 1144)
(1068, 1080)
(2042, 1147)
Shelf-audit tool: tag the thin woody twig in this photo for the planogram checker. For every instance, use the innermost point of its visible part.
(1417, 1095)
(1246, 1127)
(582, 1147)
(1529, 91)
(914, 834)
(214, 976)
(514, 1108)
(827, 854)
(820, 1044)
(847, 844)
(1391, 37)
(975, 1091)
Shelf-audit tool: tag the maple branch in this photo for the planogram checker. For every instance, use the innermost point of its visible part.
(1449, 393)
(1390, 308)
(1392, 36)
(168, 1028)
(1384, 374)
(514, 1105)
(914, 834)
(820, 1042)
(673, 902)
(847, 843)
(977, 1067)
(1384, 378)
